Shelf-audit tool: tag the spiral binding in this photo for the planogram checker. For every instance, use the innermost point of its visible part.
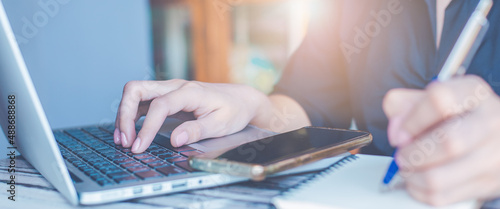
(335, 166)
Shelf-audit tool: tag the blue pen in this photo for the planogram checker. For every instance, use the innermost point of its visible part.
(458, 61)
(391, 172)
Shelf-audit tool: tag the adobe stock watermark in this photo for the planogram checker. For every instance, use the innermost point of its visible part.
(223, 7)
(31, 26)
(364, 34)
(426, 147)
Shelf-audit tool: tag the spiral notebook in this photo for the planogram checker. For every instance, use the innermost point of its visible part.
(353, 183)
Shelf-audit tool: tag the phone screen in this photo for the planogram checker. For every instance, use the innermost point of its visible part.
(290, 144)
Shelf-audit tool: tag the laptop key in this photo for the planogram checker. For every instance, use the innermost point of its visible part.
(84, 167)
(94, 161)
(154, 147)
(103, 164)
(77, 162)
(125, 150)
(118, 174)
(117, 156)
(101, 135)
(138, 168)
(109, 170)
(149, 160)
(148, 174)
(77, 148)
(170, 170)
(101, 147)
(96, 176)
(185, 165)
(123, 160)
(109, 141)
(158, 164)
(107, 167)
(160, 151)
(126, 179)
(78, 165)
(132, 164)
(84, 153)
(104, 182)
(71, 159)
(92, 157)
(107, 153)
(90, 172)
(107, 137)
(167, 156)
(143, 156)
(177, 159)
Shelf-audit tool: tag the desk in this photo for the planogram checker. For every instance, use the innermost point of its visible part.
(33, 191)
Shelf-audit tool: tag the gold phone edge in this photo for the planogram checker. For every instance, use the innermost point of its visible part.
(258, 172)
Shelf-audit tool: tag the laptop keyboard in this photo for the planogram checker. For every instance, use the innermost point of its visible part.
(93, 151)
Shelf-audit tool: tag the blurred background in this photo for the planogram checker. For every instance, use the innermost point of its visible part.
(238, 41)
(81, 53)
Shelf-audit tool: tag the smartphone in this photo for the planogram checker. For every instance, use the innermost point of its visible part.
(281, 152)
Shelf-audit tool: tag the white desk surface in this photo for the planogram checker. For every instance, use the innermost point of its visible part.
(33, 191)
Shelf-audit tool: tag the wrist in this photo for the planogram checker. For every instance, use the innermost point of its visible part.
(263, 110)
(280, 113)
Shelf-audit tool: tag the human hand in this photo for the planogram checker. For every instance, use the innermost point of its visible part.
(220, 109)
(448, 139)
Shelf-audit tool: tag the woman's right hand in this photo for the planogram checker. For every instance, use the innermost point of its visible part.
(220, 109)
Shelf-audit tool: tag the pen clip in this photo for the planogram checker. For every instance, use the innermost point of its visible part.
(467, 43)
(474, 48)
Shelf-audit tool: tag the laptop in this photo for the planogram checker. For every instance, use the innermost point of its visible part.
(83, 163)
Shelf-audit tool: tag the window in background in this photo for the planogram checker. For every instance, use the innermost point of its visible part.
(238, 41)
(171, 39)
(191, 41)
(265, 34)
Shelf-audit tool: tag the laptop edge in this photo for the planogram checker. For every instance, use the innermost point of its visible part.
(31, 123)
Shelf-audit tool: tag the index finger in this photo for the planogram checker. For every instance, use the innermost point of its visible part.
(161, 107)
(135, 92)
(398, 103)
(443, 101)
